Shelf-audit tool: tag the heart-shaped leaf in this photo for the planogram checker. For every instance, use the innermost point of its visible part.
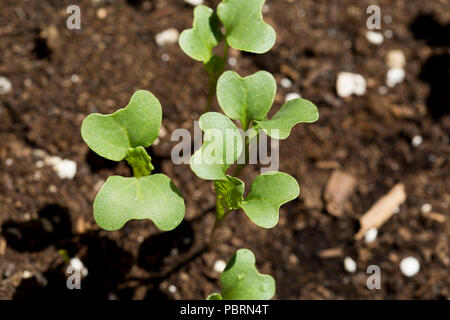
(221, 147)
(241, 280)
(268, 192)
(152, 197)
(198, 42)
(111, 136)
(248, 98)
(292, 112)
(245, 28)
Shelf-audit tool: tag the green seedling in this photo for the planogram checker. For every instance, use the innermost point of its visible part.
(241, 280)
(247, 100)
(124, 135)
(244, 29)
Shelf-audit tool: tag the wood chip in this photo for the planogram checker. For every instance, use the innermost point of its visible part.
(382, 210)
(2, 246)
(331, 253)
(339, 188)
(434, 216)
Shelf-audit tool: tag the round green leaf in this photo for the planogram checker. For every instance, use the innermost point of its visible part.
(110, 136)
(198, 42)
(152, 197)
(246, 99)
(245, 28)
(268, 192)
(241, 280)
(292, 112)
(221, 147)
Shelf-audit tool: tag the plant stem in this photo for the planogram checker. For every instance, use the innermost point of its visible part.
(214, 77)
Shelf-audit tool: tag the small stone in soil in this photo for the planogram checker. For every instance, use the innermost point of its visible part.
(232, 61)
(219, 266)
(375, 37)
(350, 83)
(426, 207)
(292, 96)
(410, 266)
(166, 37)
(172, 288)
(194, 2)
(395, 59)
(416, 141)
(395, 76)
(371, 235)
(349, 265)
(286, 83)
(5, 85)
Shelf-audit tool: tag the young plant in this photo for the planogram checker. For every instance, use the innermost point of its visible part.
(244, 28)
(241, 280)
(124, 135)
(248, 100)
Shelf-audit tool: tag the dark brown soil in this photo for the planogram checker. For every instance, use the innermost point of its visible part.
(368, 137)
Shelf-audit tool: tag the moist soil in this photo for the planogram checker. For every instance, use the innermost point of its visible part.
(60, 76)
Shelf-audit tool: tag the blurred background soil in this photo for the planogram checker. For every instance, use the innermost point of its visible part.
(60, 76)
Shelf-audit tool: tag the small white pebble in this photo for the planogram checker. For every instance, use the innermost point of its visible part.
(371, 235)
(194, 2)
(74, 78)
(426, 207)
(26, 274)
(219, 266)
(292, 96)
(9, 162)
(387, 18)
(39, 163)
(172, 288)
(375, 37)
(52, 189)
(416, 141)
(397, 210)
(168, 36)
(66, 169)
(350, 83)
(232, 61)
(349, 265)
(410, 266)
(174, 252)
(265, 8)
(286, 83)
(395, 76)
(5, 85)
(139, 239)
(395, 59)
(165, 57)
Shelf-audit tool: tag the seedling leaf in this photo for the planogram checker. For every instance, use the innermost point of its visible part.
(245, 28)
(111, 136)
(241, 280)
(268, 192)
(221, 147)
(292, 112)
(152, 197)
(198, 42)
(214, 296)
(140, 161)
(248, 98)
(229, 193)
